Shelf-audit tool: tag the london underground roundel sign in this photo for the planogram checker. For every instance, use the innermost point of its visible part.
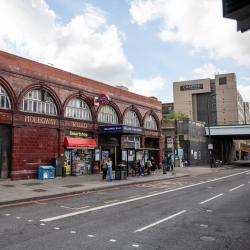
(103, 99)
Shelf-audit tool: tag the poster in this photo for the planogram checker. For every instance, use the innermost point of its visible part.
(97, 155)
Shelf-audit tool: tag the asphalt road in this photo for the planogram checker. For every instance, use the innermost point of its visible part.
(207, 212)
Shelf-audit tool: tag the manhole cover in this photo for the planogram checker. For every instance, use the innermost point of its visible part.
(33, 184)
(207, 238)
(73, 186)
(39, 190)
(8, 185)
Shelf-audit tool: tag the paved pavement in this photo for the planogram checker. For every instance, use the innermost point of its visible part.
(34, 189)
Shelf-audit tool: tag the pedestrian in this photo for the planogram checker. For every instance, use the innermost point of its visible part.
(149, 165)
(109, 164)
(142, 167)
(153, 167)
(104, 169)
(165, 165)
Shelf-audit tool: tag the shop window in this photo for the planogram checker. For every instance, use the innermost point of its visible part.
(107, 114)
(39, 101)
(4, 99)
(150, 123)
(131, 119)
(78, 109)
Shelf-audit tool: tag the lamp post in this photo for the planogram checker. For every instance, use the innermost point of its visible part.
(210, 146)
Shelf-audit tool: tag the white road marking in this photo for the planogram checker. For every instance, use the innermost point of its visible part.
(160, 221)
(42, 224)
(112, 240)
(135, 245)
(18, 218)
(211, 198)
(91, 236)
(202, 225)
(73, 232)
(110, 201)
(209, 211)
(30, 220)
(135, 199)
(57, 228)
(7, 214)
(237, 187)
(75, 208)
(249, 182)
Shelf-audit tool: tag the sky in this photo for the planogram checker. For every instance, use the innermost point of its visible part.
(144, 45)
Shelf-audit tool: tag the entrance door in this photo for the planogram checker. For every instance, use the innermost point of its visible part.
(5, 139)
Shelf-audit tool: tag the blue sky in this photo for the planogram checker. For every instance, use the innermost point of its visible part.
(142, 44)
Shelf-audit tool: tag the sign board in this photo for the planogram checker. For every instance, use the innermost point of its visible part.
(191, 87)
(210, 146)
(120, 129)
(180, 151)
(102, 99)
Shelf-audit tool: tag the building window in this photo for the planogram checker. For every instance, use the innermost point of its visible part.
(222, 80)
(150, 123)
(4, 99)
(107, 114)
(39, 101)
(131, 119)
(78, 109)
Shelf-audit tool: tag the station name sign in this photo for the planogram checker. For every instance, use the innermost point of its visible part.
(120, 129)
(191, 87)
(40, 120)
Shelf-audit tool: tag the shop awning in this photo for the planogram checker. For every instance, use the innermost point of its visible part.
(76, 142)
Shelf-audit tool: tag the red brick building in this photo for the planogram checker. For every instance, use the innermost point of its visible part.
(48, 113)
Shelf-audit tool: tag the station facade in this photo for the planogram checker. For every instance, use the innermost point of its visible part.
(49, 114)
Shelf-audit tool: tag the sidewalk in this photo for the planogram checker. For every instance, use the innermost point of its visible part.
(34, 189)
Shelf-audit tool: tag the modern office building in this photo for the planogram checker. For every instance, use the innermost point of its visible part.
(213, 101)
(48, 114)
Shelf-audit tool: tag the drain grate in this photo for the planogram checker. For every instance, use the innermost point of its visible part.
(8, 185)
(39, 190)
(73, 186)
(33, 184)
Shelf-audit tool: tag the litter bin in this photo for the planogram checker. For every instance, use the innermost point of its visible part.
(120, 172)
(46, 172)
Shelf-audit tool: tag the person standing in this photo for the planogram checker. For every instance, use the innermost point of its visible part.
(109, 164)
(104, 169)
(149, 165)
(153, 167)
(165, 165)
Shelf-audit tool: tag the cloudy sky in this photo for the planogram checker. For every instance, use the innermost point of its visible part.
(142, 44)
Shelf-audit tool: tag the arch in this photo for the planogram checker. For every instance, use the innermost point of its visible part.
(85, 99)
(10, 92)
(136, 111)
(152, 113)
(44, 87)
(116, 109)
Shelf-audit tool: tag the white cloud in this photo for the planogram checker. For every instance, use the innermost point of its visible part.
(245, 78)
(150, 87)
(245, 92)
(196, 23)
(87, 45)
(207, 71)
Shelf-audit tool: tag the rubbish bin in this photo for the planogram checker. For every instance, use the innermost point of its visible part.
(46, 172)
(120, 172)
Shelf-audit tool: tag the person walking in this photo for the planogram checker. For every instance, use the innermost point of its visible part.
(153, 167)
(109, 164)
(104, 169)
(165, 165)
(149, 165)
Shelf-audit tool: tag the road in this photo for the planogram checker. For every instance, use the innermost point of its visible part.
(207, 212)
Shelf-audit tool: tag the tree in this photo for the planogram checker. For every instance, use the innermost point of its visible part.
(174, 115)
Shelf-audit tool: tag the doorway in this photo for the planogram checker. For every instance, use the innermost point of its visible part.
(5, 142)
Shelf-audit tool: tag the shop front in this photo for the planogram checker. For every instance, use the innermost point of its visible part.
(121, 143)
(79, 153)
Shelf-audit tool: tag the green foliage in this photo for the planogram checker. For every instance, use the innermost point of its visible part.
(174, 115)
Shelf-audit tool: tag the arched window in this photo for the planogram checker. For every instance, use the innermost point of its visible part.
(39, 101)
(78, 109)
(131, 119)
(4, 99)
(150, 122)
(107, 114)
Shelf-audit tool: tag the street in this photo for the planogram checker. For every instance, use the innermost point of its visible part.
(210, 211)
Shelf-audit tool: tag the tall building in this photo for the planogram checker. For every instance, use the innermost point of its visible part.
(213, 101)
